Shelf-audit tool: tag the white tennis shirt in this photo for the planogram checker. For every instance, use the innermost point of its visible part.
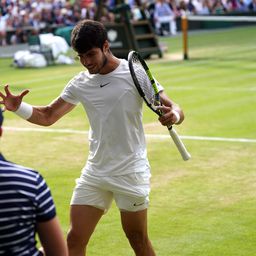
(114, 108)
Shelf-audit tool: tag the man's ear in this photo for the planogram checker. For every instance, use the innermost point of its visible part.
(106, 47)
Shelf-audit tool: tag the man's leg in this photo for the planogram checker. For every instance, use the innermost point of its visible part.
(83, 220)
(135, 227)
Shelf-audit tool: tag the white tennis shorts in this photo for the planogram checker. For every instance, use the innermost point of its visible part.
(130, 192)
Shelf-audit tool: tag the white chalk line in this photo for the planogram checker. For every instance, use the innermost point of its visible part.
(151, 136)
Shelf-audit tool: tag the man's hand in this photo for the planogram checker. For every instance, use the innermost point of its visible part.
(169, 116)
(12, 102)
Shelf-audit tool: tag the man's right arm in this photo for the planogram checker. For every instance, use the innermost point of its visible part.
(48, 115)
(41, 115)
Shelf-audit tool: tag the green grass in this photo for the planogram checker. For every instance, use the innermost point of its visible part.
(205, 206)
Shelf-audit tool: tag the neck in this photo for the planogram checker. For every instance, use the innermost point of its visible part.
(110, 64)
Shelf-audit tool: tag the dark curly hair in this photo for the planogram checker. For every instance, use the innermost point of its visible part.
(88, 34)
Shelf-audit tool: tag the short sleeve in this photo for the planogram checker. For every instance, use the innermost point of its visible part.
(68, 94)
(45, 208)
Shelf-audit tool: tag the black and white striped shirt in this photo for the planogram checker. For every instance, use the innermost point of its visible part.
(25, 200)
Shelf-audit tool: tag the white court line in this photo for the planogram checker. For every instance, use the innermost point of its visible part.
(222, 18)
(49, 130)
(185, 137)
(152, 136)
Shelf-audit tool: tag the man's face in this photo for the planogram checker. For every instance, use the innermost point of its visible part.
(93, 60)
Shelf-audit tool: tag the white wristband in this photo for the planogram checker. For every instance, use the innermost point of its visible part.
(25, 110)
(177, 115)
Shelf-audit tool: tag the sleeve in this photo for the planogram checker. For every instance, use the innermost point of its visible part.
(45, 206)
(68, 93)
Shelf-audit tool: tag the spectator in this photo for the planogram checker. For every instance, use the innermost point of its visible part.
(242, 6)
(163, 14)
(231, 5)
(218, 7)
(105, 14)
(150, 9)
(191, 7)
(136, 9)
(252, 6)
(87, 10)
(202, 7)
(3, 25)
(27, 208)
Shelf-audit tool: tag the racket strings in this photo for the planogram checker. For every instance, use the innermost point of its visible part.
(144, 81)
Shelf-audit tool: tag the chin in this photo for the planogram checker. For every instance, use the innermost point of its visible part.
(93, 71)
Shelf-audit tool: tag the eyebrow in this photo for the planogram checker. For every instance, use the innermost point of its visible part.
(86, 53)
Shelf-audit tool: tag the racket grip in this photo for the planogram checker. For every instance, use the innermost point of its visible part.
(179, 144)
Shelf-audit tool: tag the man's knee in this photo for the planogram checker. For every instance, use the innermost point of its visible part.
(75, 240)
(137, 239)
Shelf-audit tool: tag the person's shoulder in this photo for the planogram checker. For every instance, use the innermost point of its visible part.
(20, 177)
(123, 61)
(81, 77)
(123, 64)
(9, 166)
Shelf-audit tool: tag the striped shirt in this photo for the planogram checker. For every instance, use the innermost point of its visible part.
(25, 200)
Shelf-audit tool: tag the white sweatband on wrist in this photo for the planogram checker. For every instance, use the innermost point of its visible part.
(25, 110)
(177, 115)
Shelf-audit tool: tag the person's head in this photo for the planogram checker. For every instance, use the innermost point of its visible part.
(1, 121)
(89, 40)
(88, 34)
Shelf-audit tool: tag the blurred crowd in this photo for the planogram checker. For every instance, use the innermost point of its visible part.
(31, 16)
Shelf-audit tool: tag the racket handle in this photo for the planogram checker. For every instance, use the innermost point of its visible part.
(179, 144)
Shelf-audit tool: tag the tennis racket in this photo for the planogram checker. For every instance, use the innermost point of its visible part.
(147, 88)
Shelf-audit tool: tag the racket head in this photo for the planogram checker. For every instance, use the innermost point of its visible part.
(144, 80)
(148, 90)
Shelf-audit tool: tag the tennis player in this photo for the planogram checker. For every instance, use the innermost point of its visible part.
(27, 208)
(117, 167)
